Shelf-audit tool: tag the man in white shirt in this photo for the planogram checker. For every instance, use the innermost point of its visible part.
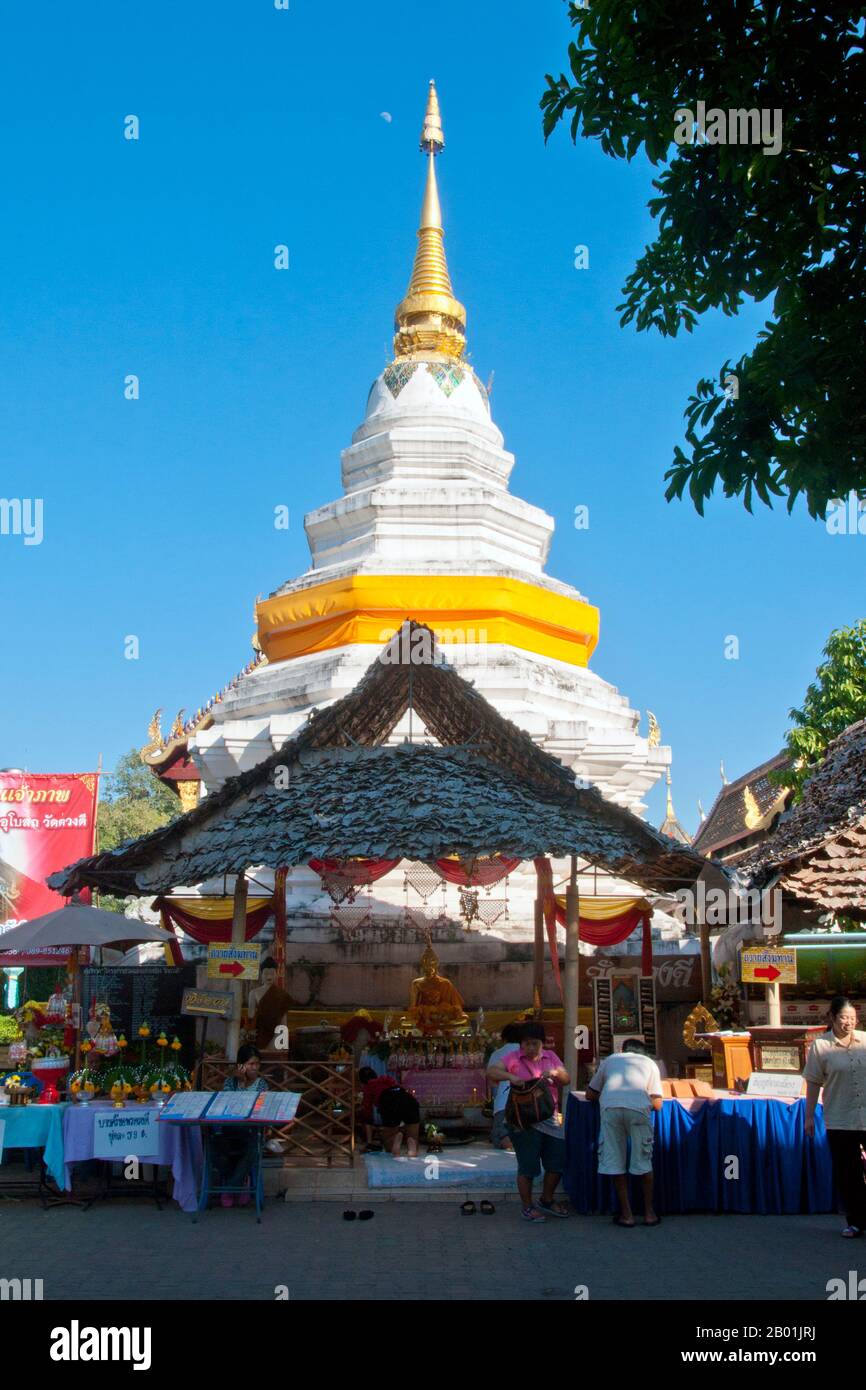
(499, 1130)
(628, 1087)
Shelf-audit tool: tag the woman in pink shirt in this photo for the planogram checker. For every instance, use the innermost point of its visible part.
(541, 1145)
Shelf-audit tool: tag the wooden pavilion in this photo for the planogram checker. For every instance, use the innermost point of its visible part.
(334, 791)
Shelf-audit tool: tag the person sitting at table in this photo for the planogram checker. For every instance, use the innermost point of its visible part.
(234, 1147)
(398, 1110)
(837, 1062)
(628, 1086)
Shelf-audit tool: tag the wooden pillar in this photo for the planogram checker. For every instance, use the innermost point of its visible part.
(706, 962)
(74, 968)
(538, 971)
(239, 923)
(571, 992)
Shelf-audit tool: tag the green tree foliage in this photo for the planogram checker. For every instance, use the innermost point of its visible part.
(133, 803)
(735, 222)
(835, 699)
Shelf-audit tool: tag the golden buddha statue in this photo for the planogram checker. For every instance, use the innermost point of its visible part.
(435, 1004)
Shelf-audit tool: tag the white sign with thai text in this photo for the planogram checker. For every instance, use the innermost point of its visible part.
(119, 1133)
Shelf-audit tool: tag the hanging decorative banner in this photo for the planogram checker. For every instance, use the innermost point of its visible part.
(341, 877)
(544, 872)
(47, 821)
(280, 925)
(482, 872)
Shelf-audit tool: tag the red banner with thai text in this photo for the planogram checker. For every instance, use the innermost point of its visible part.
(47, 821)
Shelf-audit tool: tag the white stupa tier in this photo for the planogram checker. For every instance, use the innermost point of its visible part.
(426, 495)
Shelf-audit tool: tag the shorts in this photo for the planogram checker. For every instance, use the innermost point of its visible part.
(535, 1149)
(619, 1129)
(397, 1107)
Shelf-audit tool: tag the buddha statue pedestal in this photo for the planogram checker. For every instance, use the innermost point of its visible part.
(435, 1005)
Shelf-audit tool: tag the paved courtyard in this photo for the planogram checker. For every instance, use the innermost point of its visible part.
(414, 1250)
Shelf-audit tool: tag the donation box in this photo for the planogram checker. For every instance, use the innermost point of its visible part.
(731, 1058)
(782, 1048)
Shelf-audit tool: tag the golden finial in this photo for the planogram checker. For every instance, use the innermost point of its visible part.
(154, 731)
(430, 323)
(176, 730)
(654, 734)
(753, 810)
(432, 134)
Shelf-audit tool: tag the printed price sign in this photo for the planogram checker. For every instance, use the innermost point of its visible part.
(279, 1106)
(232, 1105)
(186, 1105)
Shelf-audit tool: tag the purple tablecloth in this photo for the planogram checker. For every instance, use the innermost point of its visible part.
(179, 1150)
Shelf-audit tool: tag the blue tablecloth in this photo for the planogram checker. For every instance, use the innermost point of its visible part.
(179, 1150)
(778, 1169)
(37, 1127)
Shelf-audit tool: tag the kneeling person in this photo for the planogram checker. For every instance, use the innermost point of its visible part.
(398, 1111)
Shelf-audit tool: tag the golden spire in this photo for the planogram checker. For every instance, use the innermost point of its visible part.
(670, 825)
(430, 323)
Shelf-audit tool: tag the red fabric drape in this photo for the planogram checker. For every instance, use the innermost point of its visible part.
(485, 872)
(544, 873)
(357, 872)
(611, 933)
(280, 925)
(205, 931)
(172, 948)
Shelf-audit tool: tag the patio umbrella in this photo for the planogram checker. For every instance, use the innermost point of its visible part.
(76, 924)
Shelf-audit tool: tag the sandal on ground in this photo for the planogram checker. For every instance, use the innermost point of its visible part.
(349, 1215)
(468, 1208)
(657, 1222)
(487, 1208)
(366, 1215)
(554, 1208)
(627, 1225)
(532, 1214)
(852, 1232)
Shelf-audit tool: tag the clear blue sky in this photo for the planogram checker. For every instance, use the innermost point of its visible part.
(156, 257)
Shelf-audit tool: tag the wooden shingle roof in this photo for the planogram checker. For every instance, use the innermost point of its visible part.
(819, 846)
(334, 790)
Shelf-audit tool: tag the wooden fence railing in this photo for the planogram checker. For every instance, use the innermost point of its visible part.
(324, 1127)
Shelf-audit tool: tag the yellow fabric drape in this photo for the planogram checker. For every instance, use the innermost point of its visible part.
(215, 909)
(604, 909)
(459, 609)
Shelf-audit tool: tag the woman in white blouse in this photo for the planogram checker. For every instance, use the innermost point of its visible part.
(837, 1063)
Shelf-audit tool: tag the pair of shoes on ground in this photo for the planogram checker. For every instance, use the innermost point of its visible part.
(541, 1210)
(852, 1232)
(350, 1215)
(227, 1199)
(469, 1208)
(630, 1225)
